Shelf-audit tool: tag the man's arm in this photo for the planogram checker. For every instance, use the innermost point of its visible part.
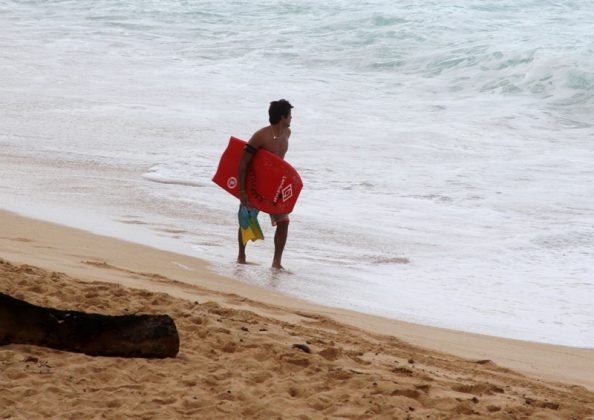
(244, 162)
(246, 157)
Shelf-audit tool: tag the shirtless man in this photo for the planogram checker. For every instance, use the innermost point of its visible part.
(275, 139)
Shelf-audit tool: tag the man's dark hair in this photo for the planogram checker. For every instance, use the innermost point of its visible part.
(278, 109)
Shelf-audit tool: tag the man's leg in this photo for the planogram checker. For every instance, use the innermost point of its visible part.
(280, 239)
(241, 256)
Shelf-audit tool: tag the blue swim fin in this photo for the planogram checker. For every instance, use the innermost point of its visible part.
(244, 217)
(248, 223)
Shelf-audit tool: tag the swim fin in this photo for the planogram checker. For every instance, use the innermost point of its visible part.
(248, 223)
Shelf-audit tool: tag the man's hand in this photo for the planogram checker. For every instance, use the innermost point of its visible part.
(243, 197)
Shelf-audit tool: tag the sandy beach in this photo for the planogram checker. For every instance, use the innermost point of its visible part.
(252, 353)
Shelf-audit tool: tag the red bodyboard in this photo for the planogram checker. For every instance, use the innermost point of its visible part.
(272, 184)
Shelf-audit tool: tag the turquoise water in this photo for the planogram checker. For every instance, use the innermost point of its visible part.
(446, 150)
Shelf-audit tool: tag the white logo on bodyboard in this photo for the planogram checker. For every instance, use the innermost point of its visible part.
(232, 182)
(287, 192)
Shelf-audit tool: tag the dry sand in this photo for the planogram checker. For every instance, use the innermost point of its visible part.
(238, 356)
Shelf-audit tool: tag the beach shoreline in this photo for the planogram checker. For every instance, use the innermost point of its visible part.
(247, 352)
(91, 257)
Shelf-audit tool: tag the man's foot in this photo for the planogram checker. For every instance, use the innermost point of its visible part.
(277, 266)
(241, 260)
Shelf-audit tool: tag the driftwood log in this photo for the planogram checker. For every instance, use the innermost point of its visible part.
(94, 334)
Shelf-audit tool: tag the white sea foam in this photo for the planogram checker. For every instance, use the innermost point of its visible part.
(446, 150)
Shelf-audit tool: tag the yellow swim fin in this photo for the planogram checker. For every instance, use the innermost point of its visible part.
(248, 223)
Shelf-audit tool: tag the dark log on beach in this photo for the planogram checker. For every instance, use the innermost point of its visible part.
(94, 334)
